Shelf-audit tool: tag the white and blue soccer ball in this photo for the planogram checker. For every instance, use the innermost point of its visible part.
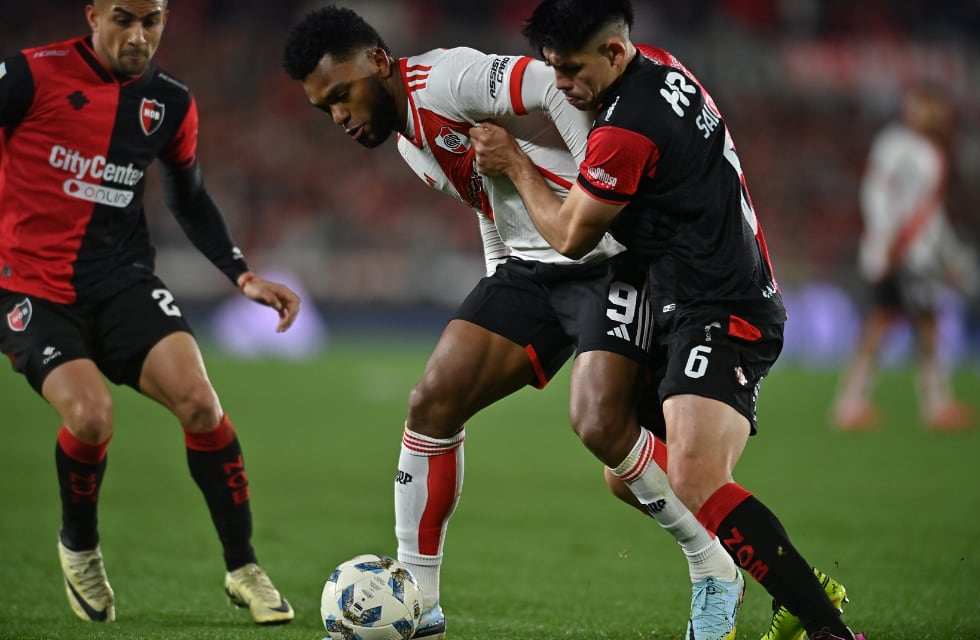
(371, 597)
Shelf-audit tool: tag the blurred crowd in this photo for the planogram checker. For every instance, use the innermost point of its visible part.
(803, 84)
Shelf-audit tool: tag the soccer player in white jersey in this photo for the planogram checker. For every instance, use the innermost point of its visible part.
(908, 252)
(532, 311)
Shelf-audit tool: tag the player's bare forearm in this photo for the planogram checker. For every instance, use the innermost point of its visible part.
(543, 205)
(272, 294)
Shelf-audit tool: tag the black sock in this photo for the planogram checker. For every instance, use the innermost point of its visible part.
(216, 464)
(81, 467)
(755, 538)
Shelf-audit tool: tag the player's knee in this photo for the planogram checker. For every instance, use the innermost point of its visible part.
(433, 411)
(603, 433)
(90, 419)
(693, 482)
(591, 431)
(198, 408)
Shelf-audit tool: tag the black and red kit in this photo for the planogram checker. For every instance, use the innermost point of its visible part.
(77, 142)
(659, 146)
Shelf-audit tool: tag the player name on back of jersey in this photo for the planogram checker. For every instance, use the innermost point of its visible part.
(96, 168)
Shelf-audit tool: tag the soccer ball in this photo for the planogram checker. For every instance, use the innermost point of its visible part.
(371, 597)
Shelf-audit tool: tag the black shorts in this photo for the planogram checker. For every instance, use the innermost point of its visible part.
(116, 333)
(713, 355)
(554, 310)
(910, 293)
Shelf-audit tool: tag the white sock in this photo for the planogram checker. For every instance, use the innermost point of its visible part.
(648, 482)
(855, 386)
(427, 488)
(933, 387)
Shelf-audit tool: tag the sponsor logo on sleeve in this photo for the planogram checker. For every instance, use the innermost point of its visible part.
(601, 177)
(498, 71)
(151, 115)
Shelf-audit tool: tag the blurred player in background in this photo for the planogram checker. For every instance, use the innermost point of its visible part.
(532, 311)
(908, 254)
(661, 173)
(82, 121)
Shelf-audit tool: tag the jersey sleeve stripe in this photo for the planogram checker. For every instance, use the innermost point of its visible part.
(516, 78)
(562, 182)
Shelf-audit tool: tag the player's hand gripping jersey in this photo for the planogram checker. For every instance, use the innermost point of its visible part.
(78, 142)
(451, 90)
(659, 146)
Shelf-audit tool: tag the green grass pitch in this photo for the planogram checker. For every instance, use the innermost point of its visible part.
(536, 550)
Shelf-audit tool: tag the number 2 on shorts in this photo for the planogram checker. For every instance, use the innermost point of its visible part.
(165, 300)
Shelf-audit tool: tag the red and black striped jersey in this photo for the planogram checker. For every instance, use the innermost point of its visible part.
(659, 146)
(77, 142)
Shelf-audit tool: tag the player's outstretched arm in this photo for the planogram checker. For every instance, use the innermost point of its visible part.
(204, 225)
(272, 294)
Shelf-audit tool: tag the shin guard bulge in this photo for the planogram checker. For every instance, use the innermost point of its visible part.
(757, 541)
(643, 473)
(217, 466)
(427, 488)
(81, 467)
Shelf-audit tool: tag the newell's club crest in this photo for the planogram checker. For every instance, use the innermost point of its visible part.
(20, 317)
(151, 115)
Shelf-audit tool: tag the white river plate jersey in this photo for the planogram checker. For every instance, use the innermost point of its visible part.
(450, 90)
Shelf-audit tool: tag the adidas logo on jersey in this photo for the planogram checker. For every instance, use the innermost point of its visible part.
(620, 332)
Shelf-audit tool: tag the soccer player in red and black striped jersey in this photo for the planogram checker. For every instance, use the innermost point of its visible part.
(661, 173)
(82, 120)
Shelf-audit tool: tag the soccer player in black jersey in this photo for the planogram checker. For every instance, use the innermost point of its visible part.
(661, 173)
(82, 120)
(535, 308)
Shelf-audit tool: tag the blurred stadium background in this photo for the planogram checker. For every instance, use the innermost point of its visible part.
(803, 85)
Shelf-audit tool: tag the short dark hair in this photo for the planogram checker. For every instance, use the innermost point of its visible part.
(567, 25)
(333, 30)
